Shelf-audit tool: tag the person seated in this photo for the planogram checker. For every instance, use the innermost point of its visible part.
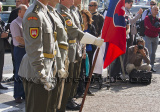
(136, 55)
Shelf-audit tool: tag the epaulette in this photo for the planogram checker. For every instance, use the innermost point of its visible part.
(36, 9)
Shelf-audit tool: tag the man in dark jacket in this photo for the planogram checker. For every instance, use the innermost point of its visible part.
(98, 19)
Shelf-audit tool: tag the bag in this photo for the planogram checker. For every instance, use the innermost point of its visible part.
(139, 76)
(141, 26)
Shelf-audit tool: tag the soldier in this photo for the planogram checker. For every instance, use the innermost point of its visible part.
(36, 66)
(74, 34)
(75, 13)
(61, 38)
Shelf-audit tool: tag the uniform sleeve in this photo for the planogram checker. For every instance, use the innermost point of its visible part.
(15, 31)
(33, 41)
(72, 29)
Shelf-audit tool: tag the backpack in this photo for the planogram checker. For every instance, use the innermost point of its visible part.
(140, 76)
(141, 25)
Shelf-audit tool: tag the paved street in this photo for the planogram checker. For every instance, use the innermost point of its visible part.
(121, 97)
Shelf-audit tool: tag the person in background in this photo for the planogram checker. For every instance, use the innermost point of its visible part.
(152, 34)
(132, 21)
(136, 55)
(88, 27)
(19, 51)
(2, 48)
(14, 15)
(98, 19)
(148, 11)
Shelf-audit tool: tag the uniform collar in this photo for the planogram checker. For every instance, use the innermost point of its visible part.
(41, 4)
(50, 8)
(73, 8)
(64, 8)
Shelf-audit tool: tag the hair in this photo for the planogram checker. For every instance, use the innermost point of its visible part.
(140, 40)
(88, 15)
(153, 1)
(95, 3)
(20, 7)
(128, 1)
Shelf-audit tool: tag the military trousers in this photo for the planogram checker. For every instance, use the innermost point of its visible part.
(35, 97)
(67, 88)
(76, 78)
(53, 96)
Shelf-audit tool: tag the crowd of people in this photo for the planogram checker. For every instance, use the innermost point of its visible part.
(51, 44)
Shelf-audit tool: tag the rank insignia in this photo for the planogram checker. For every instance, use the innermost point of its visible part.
(32, 18)
(34, 32)
(68, 22)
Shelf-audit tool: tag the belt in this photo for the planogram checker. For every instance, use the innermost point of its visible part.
(72, 41)
(63, 46)
(55, 36)
(20, 46)
(46, 55)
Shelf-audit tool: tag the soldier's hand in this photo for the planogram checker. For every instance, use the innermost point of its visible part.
(62, 73)
(98, 42)
(140, 11)
(4, 35)
(48, 86)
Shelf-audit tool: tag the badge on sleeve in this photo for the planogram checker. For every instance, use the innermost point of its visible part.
(68, 22)
(34, 32)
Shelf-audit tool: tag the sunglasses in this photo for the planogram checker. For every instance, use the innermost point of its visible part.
(152, 4)
(92, 5)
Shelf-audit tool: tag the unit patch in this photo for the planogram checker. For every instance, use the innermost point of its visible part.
(68, 22)
(64, 15)
(32, 18)
(34, 32)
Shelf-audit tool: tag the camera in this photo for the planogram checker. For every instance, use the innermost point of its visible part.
(157, 24)
(140, 46)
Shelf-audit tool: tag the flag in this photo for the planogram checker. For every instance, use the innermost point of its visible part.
(114, 31)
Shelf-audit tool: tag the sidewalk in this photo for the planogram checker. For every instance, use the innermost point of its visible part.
(121, 97)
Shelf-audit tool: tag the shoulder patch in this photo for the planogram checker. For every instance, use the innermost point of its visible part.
(64, 15)
(36, 9)
(32, 18)
(34, 32)
(68, 22)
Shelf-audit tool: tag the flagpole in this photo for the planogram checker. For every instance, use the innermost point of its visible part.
(90, 76)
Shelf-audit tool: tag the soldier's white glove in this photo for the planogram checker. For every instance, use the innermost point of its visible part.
(90, 39)
(48, 86)
(46, 81)
(62, 73)
(98, 42)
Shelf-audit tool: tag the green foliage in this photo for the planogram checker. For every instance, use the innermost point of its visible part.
(5, 7)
